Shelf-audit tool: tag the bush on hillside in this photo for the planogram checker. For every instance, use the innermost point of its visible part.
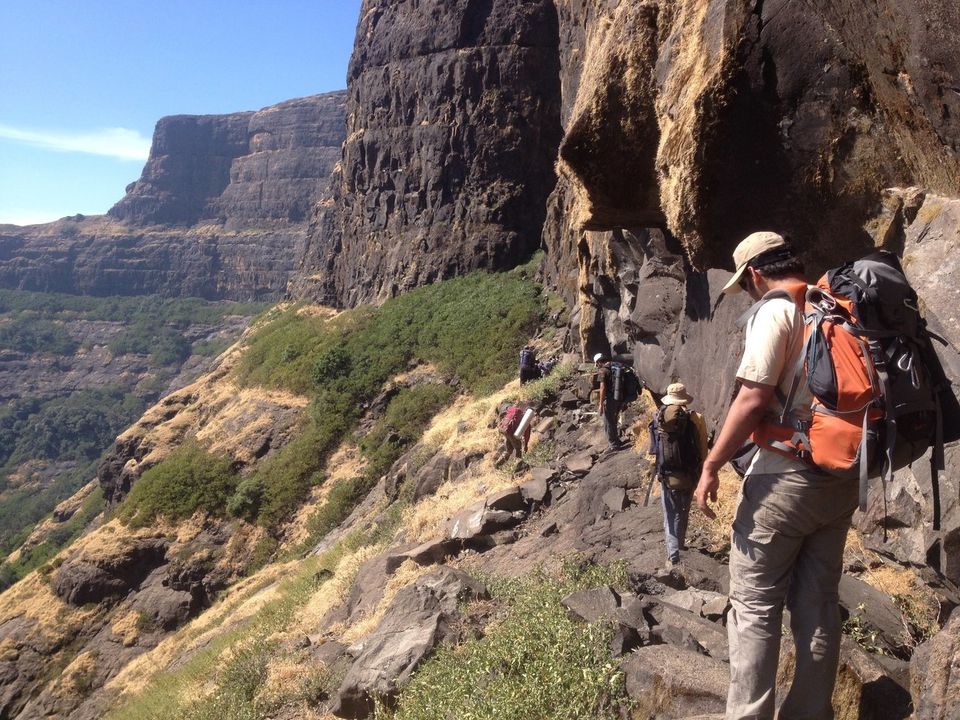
(187, 480)
(470, 328)
(404, 421)
(179, 312)
(77, 427)
(162, 342)
(534, 661)
(57, 539)
(35, 335)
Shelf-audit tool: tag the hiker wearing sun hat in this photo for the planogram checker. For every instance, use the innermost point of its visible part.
(791, 520)
(678, 439)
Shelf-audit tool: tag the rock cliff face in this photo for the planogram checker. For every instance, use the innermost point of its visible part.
(242, 169)
(453, 123)
(220, 211)
(688, 125)
(97, 256)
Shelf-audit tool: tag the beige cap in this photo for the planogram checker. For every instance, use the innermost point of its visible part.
(752, 245)
(676, 395)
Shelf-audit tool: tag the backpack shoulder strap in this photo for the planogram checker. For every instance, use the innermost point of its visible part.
(755, 308)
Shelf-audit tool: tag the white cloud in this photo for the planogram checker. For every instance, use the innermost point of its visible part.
(15, 217)
(119, 143)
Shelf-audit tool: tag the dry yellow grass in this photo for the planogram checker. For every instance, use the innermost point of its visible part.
(462, 427)
(427, 519)
(406, 574)
(48, 524)
(33, 599)
(331, 593)
(125, 627)
(238, 603)
(232, 416)
(319, 311)
(114, 540)
(716, 532)
(76, 679)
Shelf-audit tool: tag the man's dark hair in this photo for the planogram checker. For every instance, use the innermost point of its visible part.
(778, 263)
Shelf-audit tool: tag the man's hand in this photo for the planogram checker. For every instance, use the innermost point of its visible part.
(707, 489)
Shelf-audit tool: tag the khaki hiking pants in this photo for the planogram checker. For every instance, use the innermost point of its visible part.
(787, 548)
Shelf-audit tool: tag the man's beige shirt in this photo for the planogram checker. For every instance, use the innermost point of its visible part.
(774, 341)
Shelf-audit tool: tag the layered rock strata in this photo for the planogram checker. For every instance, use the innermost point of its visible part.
(242, 169)
(220, 211)
(97, 256)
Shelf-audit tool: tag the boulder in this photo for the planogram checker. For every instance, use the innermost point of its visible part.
(934, 674)
(579, 464)
(509, 500)
(616, 499)
(667, 681)
(544, 474)
(594, 604)
(569, 401)
(875, 611)
(431, 476)
(535, 491)
(103, 576)
(428, 553)
(696, 601)
(478, 520)
(417, 619)
(679, 626)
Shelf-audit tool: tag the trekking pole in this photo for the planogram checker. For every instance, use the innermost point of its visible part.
(646, 498)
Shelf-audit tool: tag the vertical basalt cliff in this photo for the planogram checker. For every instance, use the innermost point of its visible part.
(453, 123)
(241, 170)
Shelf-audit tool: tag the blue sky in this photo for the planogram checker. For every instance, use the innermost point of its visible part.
(82, 83)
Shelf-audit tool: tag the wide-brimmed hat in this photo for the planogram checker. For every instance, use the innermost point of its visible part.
(750, 247)
(677, 395)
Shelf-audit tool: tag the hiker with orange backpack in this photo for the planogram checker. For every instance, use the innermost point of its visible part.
(838, 383)
(791, 520)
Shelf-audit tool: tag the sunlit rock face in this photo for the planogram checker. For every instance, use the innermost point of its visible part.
(453, 125)
(242, 169)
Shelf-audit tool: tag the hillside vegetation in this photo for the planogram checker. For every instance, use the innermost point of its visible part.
(470, 329)
(65, 405)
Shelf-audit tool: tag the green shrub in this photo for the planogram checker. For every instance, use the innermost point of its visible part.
(534, 661)
(405, 420)
(179, 312)
(344, 496)
(20, 509)
(187, 480)
(471, 328)
(77, 427)
(152, 336)
(34, 335)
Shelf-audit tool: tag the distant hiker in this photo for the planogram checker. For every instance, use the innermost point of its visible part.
(619, 385)
(792, 520)
(529, 367)
(514, 426)
(678, 439)
(609, 407)
(546, 366)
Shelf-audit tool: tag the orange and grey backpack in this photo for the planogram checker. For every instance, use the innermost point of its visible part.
(878, 387)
